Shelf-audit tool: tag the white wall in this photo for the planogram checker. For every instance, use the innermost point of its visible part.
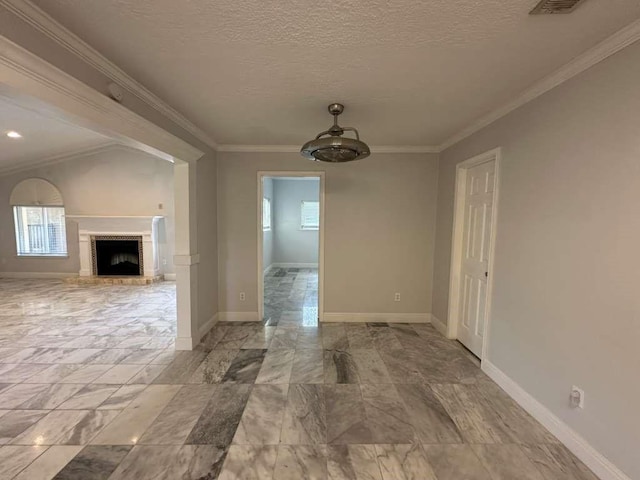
(291, 243)
(566, 302)
(390, 245)
(119, 181)
(267, 235)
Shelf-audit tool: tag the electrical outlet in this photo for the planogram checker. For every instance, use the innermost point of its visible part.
(164, 261)
(243, 297)
(576, 397)
(396, 297)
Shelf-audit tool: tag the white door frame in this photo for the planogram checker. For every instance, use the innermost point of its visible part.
(457, 244)
(310, 174)
(24, 74)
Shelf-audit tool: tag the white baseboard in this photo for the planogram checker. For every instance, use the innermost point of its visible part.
(204, 329)
(593, 459)
(185, 343)
(294, 265)
(377, 317)
(439, 325)
(238, 317)
(37, 275)
(170, 277)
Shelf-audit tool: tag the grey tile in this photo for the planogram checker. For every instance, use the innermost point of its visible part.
(352, 462)
(387, 418)
(334, 337)
(308, 366)
(346, 417)
(249, 462)
(504, 462)
(14, 422)
(276, 367)
(305, 417)
(284, 338)
(94, 462)
(369, 366)
(359, 336)
(476, 423)
(175, 422)
(261, 421)
(245, 367)
(295, 462)
(13, 459)
(557, 462)
(182, 368)
(133, 421)
(455, 462)
(214, 366)
(49, 463)
(51, 397)
(340, 367)
(429, 418)
(403, 462)
(89, 397)
(19, 394)
(122, 397)
(220, 418)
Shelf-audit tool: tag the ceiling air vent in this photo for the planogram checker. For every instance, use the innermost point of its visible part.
(546, 7)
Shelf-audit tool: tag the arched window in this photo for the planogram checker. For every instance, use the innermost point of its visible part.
(38, 213)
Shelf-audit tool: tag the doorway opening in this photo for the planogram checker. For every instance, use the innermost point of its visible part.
(474, 232)
(290, 238)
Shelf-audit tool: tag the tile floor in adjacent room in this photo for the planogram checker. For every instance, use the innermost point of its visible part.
(91, 389)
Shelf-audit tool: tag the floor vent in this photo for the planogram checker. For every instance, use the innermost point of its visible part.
(546, 7)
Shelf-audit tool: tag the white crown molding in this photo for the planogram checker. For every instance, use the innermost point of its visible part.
(63, 157)
(613, 44)
(296, 149)
(43, 22)
(259, 148)
(22, 70)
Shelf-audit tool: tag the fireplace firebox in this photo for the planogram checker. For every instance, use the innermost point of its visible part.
(117, 255)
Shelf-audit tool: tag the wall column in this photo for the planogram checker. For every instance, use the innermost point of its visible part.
(186, 258)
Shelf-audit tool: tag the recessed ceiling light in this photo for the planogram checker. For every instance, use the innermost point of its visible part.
(13, 134)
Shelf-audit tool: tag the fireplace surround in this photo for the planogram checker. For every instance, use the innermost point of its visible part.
(139, 232)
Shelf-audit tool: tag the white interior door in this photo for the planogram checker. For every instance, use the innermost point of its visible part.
(478, 213)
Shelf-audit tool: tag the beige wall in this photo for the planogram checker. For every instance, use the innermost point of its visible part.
(207, 239)
(379, 230)
(119, 181)
(566, 307)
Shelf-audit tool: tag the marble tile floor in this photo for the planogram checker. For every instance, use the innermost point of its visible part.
(272, 400)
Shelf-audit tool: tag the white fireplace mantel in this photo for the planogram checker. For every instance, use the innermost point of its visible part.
(144, 226)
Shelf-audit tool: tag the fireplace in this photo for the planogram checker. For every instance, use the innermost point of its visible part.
(117, 255)
(111, 245)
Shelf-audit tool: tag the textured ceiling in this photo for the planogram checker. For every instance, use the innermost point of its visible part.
(43, 137)
(409, 72)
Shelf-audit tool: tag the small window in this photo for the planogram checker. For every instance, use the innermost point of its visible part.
(266, 214)
(40, 230)
(310, 216)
